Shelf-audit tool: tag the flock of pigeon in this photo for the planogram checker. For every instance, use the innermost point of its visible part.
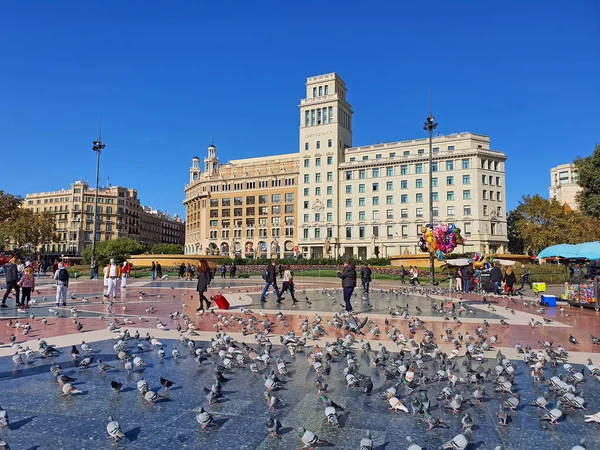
(415, 376)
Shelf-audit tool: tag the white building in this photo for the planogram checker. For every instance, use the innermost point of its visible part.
(563, 185)
(366, 201)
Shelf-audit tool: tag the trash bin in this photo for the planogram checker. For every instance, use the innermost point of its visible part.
(548, 300)
(539, 287)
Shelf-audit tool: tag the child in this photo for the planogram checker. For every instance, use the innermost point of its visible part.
(27, 283)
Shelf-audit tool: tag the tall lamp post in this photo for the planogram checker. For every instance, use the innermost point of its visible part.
(429, 126)
(98, 146)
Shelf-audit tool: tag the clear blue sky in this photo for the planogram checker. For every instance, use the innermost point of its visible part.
(168, 76)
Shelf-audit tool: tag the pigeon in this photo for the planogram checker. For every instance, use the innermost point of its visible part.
(593, 418)
(459, 442)
(580, 446)
(412, 445)
(4, 421)
(309, 438)
(4, 445)
(85, 362)
(502, 416)
(116, 386)
(273, 425)
(114, 430)
(166, 383)
(572, 340)
(103, 368)
(553, 415)
(204, 418)
(366, 443)
(467, 421)
(68, 389)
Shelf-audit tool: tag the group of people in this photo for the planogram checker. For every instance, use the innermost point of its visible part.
(502, 280)
(20, 278)
(270, 277)
(186, 272)
(232, 271)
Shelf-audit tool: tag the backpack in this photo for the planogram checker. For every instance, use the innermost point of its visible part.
(265, 274)
(63, 275)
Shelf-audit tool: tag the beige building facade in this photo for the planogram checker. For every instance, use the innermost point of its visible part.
(119, 215)
(368, 201)
(564, 185)
(244, 208)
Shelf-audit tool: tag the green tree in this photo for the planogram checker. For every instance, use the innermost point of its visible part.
(21, 227)
(119, 249)
(589, 180)
(166, 249)
(541, 223)
(515, 240)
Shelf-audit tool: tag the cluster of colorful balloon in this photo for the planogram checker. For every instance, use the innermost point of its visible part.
(480, 261)
(440, 240)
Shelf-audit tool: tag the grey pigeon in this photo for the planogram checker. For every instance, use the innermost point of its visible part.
(272, 425)
(467, 421)
(4, 421)
(459, 442)
(204, 418)
(412, 445)
(4, 445)
(114, 430)
(581, 445)
(309, 438)
(366, 443)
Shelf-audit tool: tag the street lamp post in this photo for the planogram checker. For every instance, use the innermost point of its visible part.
(429, 126)
(98, 146)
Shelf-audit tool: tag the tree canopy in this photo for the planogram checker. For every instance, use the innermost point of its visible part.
(538, 223)
(166, 249)
(589, 180)
(22, 227)
(119, 249)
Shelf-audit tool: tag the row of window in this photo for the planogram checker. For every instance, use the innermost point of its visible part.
(404, 169)
(490, 165)
(361, 231)
(389, 214)
(262, 232)
(251, 222)
(251, 185)
(318, 146)
(251, 211)
(250, 200)
(322, 90)
(318, 116)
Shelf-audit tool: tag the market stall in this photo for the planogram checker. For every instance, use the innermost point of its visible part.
(582, 293)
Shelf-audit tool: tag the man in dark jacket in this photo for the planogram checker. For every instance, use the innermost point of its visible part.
(496, 278)
(12, 278)
(348, 276)
(271, 280)
(467, 272)
(365, 277)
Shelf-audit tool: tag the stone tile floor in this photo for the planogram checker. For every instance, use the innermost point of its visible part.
(41, 418)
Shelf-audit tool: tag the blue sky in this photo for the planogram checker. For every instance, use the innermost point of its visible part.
(169, 76)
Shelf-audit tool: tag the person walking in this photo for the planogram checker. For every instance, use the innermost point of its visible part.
(203, 282)
(288, 283)
(467, 273)
(525, 277)
(93, 270)
(153, 271)
(458, 276)
(365, 278)
(159, 274)
(62, 284)
(509, 280)
(125, 273)
(496, 278)
(54, 267)
(12, 280)
(270, 277)
(348, 276)
(27, 284)
(232, 270)
(414, 276)
(223, 271)
(113, 272)
(182, 271)
(402, 273)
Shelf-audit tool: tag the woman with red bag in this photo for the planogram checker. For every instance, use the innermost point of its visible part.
(204, 275)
